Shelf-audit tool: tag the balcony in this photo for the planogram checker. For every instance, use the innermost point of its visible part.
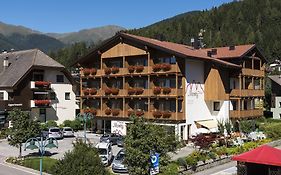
(246, 113)
(165, 91)
(163, 68)
(108, 112)
(253, 72)
(246, 93)
(44, 85)
(40, 103)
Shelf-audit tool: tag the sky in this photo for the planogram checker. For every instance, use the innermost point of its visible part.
(62, 16)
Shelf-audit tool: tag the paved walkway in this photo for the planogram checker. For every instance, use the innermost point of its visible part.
(224, 169)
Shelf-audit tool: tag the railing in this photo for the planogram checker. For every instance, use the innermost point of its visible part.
(40, 85)
(253, 72)
(246, 113)
(247, 93)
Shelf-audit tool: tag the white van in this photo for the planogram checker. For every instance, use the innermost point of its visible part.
(105, 152)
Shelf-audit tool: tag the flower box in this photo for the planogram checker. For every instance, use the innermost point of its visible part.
(166, 90)
(139, 69)
(92, 91)
(131, 91)
(42, 102)
(156, 67)
(114, 70)
(167, 114)
(139, 113)
(156, 90)
(107, 91)
(166, 66)
(93, 71)
(115, 112)
(86, 91)
(157, 114)
(93, 111)
(107, 71)
(139, 91)
(114, 91)
(86, 71)
(107, 111)
(131, 69)
(45, 84)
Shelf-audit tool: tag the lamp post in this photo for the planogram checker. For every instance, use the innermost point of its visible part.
(34, 143)
(84, 117)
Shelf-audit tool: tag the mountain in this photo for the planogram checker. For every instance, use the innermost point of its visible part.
(94, 35)
(238, 22)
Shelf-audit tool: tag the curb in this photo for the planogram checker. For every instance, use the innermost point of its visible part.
(23, 168)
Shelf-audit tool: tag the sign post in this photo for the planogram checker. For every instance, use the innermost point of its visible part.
(154, 159)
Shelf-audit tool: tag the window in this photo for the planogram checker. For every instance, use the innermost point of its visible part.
(10, 96)
(42, 114)
(60, 78)
(1, 95)
(279, 104)
(67, 96)
(216, 106)
(53, 96)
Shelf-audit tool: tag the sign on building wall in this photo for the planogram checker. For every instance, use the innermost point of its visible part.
(118, 127)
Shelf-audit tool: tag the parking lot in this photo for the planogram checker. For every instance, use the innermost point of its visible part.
(65, 144)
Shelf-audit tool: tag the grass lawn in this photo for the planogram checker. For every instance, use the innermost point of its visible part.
(34, 163)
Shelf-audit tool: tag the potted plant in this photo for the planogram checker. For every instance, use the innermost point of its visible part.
(86, 91)
(167, 114)
(131, 91)
(157, 114)
(107, 111)
(114, 70)
(139, 68)
(86, 71)
(114, 91)
(93, 71)
(44, 84)
(107, 91)
(156, 67)
(166, 90)
(92, 91)
(115, 112)
(166, 66)
(131, 69)
(107, 71)
(156, 90)
(139, 91)
(130, 112)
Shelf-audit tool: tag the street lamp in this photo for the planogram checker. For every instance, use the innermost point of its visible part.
(84, 117)
(34, 143)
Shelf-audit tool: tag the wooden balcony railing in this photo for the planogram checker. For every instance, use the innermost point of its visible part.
(246, 113)
(246, 93)
(253, 72)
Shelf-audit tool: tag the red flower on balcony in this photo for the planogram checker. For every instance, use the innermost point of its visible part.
(86, 91)
(93, 71)
(139, 68)
(166, 66)
(157, 114)
(131, 91)
(115, 112)
(131, 69)
(107, 71)
(115, 70)
(107, 111)
(139, 91)
(167, 114)
(156, 90)
(139, 113)
(86, 71)
(166, 90)
(42, 102)
(114, 91)
(107, 91)
(92, 91)
(130, 112)
(156, 67)
(42, 84)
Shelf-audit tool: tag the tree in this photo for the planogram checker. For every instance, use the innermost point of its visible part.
(143, 137)
(22, 128)
(83, 159)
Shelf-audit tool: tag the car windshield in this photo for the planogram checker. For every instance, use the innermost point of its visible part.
(67, 129)
(102, 151)
(120, 156)
(105, 135)
(55, 130)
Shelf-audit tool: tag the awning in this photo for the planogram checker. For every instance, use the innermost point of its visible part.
(210, 124)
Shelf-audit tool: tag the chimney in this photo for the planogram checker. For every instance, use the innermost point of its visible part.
(231, 47)
(6, 62)
(214, 51)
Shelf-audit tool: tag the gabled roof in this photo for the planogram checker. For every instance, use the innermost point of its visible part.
(275, 78)
(21, 62)
(262, 155)
(180, 50)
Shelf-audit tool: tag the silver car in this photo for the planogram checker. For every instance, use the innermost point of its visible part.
(54, 132)
(118, 165)
(67, 132)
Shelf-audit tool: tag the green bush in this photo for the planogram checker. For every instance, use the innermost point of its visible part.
(74, 124)
(182, 162)
(3, 134)
(272, 130)
(247, 126)
(83, 159)
(170, 169)
(51, 123)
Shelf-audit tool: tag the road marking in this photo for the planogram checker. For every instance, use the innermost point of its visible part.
(7, 165)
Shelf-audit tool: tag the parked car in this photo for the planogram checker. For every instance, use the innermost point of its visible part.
(110, 138)
(120, 141)
(67, 132)
(118, 165)
(105, 152)
(53, 132)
